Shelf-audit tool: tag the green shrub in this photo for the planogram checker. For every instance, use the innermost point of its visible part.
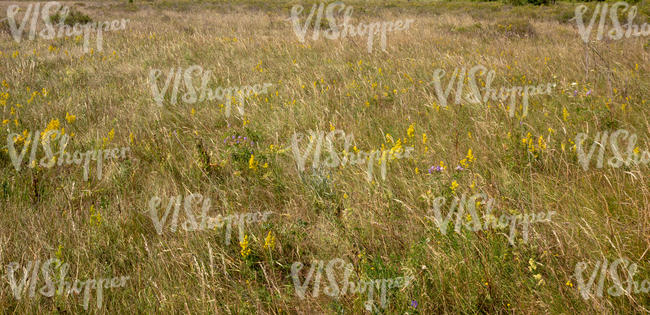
(72, 18)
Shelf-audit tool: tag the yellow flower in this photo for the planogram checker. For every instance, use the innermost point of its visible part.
(410, 131)
(453, 186)
(95, 216)
(52, 125)
(131, 138)
(193, 111)
(332, 127)
(569, 284)
(70, 118)
(532, 265)
(470, 156)
(541, 143)
(417, 171)
(111, 134)
(245, 251)
(6, 121)
(565, 114)
(252, 164)
(269, 241)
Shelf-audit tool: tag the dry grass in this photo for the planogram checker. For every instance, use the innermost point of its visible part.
(380, 227)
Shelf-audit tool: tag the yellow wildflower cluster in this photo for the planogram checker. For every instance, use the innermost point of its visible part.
(468, 160)
(565, 114)
(54, 124)
(534, 147)
(70, 118)
(532, 267)
(269, 241)
(21, 138)
(111, 135)
(3, 98)
(453, 187)
(245, 250)
(389, 138)
(410, 131)
(95, 216)
(397, 148)
(252, 164)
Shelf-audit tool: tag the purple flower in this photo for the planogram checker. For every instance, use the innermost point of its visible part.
(575, 92)
(588, 92)
(459, 168)
(245, 138)
(414, 303)
(233, 136)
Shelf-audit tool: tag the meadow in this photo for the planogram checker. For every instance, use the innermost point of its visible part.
(102, 227)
